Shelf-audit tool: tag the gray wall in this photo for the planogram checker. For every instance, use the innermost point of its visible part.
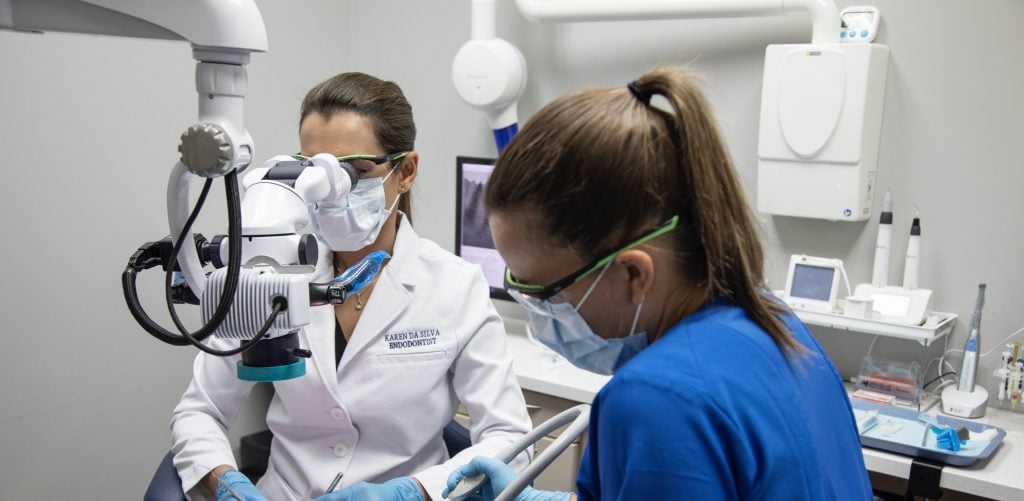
(88, 135)
(89, 132)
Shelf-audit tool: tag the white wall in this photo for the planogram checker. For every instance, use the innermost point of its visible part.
(89, 130)
(89, 127)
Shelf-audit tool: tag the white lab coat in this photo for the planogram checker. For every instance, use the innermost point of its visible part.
(428, 338)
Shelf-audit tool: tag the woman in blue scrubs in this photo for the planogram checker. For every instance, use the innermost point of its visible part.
(629, 242)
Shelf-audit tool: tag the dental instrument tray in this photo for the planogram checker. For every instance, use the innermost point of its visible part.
(912, 433)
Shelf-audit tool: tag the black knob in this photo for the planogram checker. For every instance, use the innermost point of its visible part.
(210, 252)
(309, 251)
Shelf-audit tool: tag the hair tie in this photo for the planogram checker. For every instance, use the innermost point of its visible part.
(643, 95)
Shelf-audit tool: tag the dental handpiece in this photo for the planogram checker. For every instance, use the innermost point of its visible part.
(880, 271)
(913, 263)
(969, 369)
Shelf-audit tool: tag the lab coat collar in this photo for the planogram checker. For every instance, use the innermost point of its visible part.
(404, 262)
(390, 297)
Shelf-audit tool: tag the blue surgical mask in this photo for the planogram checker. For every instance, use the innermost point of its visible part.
(565, 331)
(357, 220)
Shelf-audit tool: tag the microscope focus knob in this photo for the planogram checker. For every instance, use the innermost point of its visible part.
(309, 251)
(206, 150)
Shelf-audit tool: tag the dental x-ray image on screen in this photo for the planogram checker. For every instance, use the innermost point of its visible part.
(473, 239)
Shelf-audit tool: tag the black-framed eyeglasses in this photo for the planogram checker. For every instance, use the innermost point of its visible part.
(363, 163)
(544, 293)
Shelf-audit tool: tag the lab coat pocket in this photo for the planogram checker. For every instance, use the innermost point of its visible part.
(412, 358)
(274, 486)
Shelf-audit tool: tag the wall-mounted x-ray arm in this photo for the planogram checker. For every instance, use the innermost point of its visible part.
(490, 74)
(824, 14)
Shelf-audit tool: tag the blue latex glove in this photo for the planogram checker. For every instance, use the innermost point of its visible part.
(241, 488)
(396, 489)
(500, 475)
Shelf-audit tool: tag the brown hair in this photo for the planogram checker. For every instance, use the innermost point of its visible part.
(381, 101)
(600, 167)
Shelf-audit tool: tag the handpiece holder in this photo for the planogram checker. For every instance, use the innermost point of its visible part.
(896, 305)
(580, 419)
(965, 404)
(968, 399)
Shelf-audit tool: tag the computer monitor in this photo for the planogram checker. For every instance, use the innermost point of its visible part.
(473, 239)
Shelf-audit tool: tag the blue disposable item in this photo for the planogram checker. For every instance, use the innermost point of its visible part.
(396, 489)
(500, 475)
(234, 486)
(361, 273)
(946, 438)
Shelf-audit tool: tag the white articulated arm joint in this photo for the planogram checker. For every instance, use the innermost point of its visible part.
(824, 14)
(222, 34)
(234, 25)
(824, 19)
(218, 142)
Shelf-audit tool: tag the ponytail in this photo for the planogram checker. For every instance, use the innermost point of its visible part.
(601, 164)
(730, 239)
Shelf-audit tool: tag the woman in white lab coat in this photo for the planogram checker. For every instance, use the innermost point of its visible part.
(390, 366)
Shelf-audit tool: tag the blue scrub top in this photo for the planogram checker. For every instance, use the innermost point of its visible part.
(714, 410)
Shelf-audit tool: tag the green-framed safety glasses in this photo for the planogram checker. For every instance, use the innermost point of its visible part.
(545, 292)
(363, 164)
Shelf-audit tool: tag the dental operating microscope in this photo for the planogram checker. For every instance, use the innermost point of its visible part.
(268, 271)
(259, 292)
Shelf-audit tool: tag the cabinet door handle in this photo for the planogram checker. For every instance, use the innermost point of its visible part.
(530, 408)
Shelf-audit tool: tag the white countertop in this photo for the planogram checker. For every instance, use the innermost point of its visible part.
(1000, 477)
(544, 371)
